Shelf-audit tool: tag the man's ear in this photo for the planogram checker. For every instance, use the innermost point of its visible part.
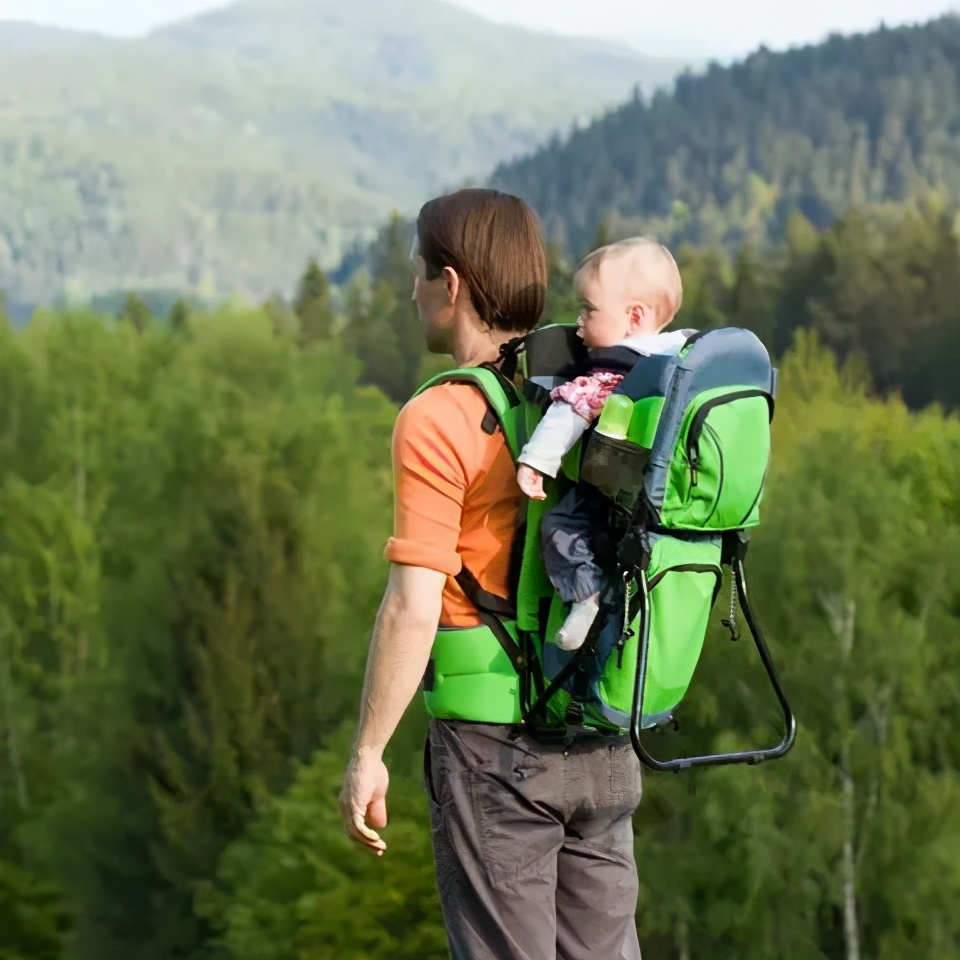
(451, 280)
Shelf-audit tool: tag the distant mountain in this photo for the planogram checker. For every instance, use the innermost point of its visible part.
(216, 155)
(20, 38)
(726, 156)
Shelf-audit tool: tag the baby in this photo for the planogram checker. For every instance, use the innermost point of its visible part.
(629, 292)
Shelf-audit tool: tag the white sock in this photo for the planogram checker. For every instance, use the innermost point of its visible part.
(575, 628)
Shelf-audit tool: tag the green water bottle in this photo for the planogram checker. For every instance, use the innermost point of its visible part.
(615, 416)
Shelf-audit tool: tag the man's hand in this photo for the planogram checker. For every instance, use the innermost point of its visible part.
(530, 482)
(363, 800)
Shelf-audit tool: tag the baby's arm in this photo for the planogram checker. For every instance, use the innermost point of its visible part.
(555, 435)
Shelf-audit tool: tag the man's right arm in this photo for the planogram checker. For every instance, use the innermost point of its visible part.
(399, 650)
(431, 464)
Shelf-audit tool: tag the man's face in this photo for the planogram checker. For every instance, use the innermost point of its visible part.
(433, 304)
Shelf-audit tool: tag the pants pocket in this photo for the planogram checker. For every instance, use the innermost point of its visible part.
(429, 775)
(510, 808)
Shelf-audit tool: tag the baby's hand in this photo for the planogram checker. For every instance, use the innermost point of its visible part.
(531, 482)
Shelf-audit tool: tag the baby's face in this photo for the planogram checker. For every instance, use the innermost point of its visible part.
(606, 312)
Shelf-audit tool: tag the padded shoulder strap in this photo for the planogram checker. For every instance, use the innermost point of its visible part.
(501, 396)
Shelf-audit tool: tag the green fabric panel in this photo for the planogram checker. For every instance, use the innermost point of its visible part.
(533, 583)
(473, 677)
(680, 606)
(725, 491)
(557, 706)
(643, 423)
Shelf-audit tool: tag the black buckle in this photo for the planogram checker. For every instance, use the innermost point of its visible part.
(573, 721)
(735, 543)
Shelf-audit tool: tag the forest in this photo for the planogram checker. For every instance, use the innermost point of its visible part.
(731, 153)
(193, 508)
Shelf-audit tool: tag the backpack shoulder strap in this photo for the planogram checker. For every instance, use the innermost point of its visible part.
(503, 400)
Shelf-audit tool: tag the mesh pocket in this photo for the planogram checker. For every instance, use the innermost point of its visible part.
(614, 466)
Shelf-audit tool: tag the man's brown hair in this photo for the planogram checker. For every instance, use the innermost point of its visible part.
(493, 241)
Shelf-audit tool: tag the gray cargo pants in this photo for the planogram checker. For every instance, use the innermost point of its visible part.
(534, 850)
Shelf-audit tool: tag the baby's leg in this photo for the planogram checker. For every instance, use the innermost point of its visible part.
(567, 546)
(578, 623)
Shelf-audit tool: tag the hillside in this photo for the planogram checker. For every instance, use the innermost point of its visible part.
(216, 155)
(729, 154)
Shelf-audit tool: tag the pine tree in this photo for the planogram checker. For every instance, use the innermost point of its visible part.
(136, 312)
(382, 327)
(603, 236)
(179, 316)
(312, 305)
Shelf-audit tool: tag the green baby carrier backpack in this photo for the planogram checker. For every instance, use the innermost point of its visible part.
(681, 486)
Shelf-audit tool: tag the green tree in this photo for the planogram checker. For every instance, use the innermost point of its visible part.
(294, 887)
(312, 305)
(179, 316)
(382, 328)
(706, 289)
(136, 312)
(562, 303)
(32, 918)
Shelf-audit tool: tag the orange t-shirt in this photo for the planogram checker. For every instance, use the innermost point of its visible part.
(456, 499)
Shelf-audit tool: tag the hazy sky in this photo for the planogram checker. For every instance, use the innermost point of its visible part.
(694, 27)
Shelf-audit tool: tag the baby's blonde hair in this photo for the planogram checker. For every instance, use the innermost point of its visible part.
(653, 267)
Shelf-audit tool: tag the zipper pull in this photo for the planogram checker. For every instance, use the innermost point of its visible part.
(693, 455)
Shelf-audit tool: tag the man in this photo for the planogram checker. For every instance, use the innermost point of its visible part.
(534, 845)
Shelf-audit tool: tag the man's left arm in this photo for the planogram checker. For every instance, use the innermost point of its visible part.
(403, 636)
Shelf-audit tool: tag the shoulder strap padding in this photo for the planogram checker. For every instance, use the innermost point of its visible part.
(502, 398)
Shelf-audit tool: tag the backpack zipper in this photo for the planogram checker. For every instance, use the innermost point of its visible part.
(698, 421)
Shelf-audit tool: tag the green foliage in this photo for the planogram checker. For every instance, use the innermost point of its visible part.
(562, 302)
(32, 919)
(880, 286)
(295, 888)
(136, 312)
(184, 586)
(191, 525)
(848, 583)
(312, 305)
(179, 315)
(382, 329)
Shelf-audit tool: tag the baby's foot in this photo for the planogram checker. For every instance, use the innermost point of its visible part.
(577, 625)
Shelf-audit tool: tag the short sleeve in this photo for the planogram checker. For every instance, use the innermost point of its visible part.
(436, 455)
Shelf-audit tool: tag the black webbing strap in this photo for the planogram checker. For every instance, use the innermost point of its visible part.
(536, 394)
(483, 599)
(491, 608)
(505, 367)
(508, 358)
(567, 671)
